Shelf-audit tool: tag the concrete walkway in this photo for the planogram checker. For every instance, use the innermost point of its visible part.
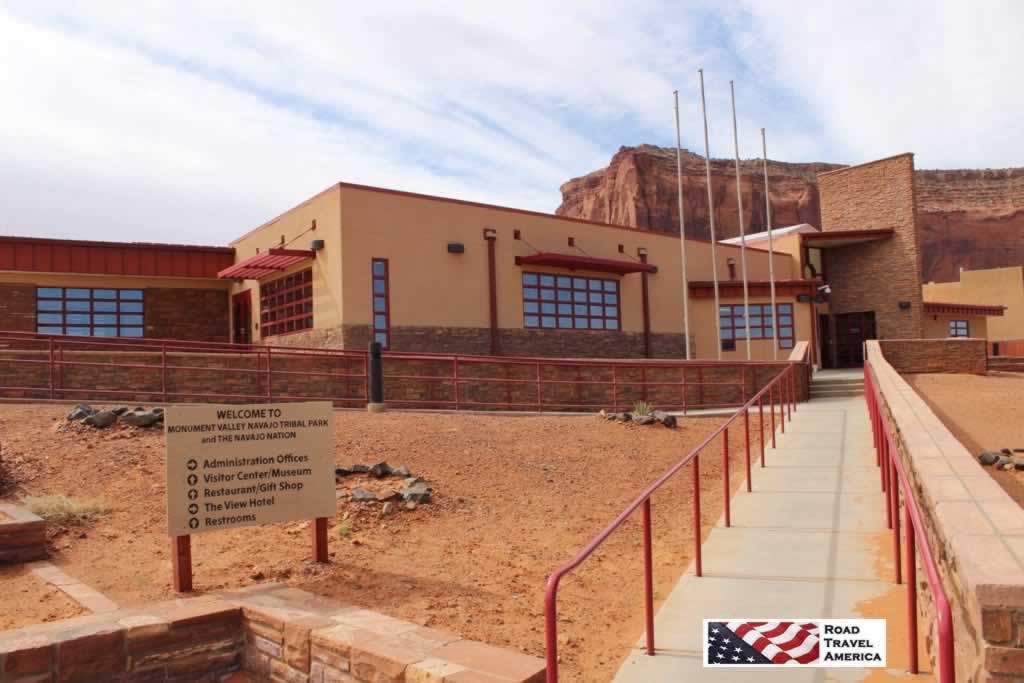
(810, 541)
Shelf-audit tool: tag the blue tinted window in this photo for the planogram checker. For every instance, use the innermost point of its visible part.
(104, 331)
(596, 324)
(531, 307)
(77, 318)
(132, 294)
(532, 321)
(79, 331)
(548, 321)
(50, 318)
(78, 293)
(547, 280)
(104, 294)
(130, 307)
(131, 331)
(547, 294)
(529, 279)
(49, 292)
(565, 323)
(126, 319)
(108, 319)
(547, 308)
(380, 322)
(611, 324)
(49, 305)
(530, 293)
(106, 306)
(381, 338)
(379, 304)
(380, 269)
(378, 287)
(580, 323)
(73, 305)
(42, 329)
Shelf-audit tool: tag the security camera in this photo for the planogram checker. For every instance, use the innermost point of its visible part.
(825, 289)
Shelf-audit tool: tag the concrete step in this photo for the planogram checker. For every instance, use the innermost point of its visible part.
(831, 382)
(836, 392)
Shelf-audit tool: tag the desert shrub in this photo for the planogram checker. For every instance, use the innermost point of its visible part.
(642, 408)
(66, 511)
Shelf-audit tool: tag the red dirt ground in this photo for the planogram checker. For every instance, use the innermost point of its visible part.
(984, 412)
(29, 600)
(515, 496)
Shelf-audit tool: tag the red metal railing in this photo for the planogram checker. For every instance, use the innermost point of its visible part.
(170, 370)
(780, 392)
(893, 480)
(534, 383)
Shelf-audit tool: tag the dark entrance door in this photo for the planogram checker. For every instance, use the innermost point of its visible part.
(825, 330)
(241, 305)
(852, 329)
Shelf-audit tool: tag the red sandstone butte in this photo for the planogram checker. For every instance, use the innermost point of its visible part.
(968, 218)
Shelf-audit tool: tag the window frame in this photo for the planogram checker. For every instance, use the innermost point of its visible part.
(737, 325)
(386, 295)
(120, 297)
(287, 293)
(570, 300)
(954, 327)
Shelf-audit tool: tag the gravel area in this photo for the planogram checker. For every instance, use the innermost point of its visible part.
(514, 497)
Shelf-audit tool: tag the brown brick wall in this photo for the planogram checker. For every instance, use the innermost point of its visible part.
(17, 308)
(936, 355)
(188, 314)
(222, 377)
(875, 276)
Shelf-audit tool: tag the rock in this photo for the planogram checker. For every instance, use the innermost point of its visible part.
(387, 495)
(360, 495)
(257, 574)
(387, 509)
(402, 471)
(418, 493)
(101, 420)
(1018, 462)
(340, 472)
(120, 410)
(1004, 460)
(80, 412)
(988, 457)
(624, 417)
(411, 505)
(1006, 451)
(144, 418)
(670, 421)
(380, 470)
(360, 469)
(603, 414)
(1007, 467)
(644, 419)
(158, 410)
(611, 416)
(410, 481)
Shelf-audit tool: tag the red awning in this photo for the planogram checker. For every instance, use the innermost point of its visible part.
(934, 307)
(578, 262)
(267, 263)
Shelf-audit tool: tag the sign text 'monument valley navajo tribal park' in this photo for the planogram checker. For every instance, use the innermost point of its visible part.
(231, 465)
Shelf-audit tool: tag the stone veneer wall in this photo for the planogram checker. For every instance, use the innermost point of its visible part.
(271, 632)
(18, 307)
(875, 276)
(234, 377)
(22, 535)
(936, 355)
(975, 531)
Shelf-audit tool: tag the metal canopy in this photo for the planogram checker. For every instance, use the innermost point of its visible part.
(267, 263)
(843, 238)
(578, 262)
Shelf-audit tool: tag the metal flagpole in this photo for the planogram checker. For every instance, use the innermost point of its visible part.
(682, 234)
(771, 250)
(743, 234)
(711, 216)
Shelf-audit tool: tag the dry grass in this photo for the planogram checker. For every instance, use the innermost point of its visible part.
(66, 511)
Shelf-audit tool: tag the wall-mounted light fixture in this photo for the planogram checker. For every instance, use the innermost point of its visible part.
(622, 248)
(456, 248)
(572, 241)
(641, 251)
(517, 235)
(316, 245)
(904, 305)
(490, 234)
(731, 262)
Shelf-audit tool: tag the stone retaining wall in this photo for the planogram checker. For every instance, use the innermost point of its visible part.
(272, 632)
(22, 535)
(975, 531)
(936, 355)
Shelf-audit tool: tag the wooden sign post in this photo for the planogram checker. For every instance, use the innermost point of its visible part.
(247, 465)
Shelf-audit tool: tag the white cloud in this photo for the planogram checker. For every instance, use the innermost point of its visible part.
(194, 121)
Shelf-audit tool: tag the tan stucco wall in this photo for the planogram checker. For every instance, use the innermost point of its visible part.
(431, 287)
(324, 208)
(936, 326)
(990, 287)
(704, 332)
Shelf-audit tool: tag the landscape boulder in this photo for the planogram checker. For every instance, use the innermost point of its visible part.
(401, 471)
(80, 412)
(664, 418)
(144, 418)
(380, 470)
(102, 419)
(363, 496)
(359, 469)
(989, 457)
(417, 493)
(644, 419)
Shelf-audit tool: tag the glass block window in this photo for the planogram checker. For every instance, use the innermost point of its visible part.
(286, 304)
(381, 302)
(959, 328)
(732, 319)
(89, 312)
(566, 302)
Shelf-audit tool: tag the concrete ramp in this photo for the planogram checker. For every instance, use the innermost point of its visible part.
(810, 541)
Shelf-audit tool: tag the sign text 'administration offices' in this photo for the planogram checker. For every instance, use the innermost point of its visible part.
(231, 466)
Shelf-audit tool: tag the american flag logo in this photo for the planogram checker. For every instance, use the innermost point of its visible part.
(732, 643)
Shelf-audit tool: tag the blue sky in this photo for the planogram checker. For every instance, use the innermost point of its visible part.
(195, 121)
